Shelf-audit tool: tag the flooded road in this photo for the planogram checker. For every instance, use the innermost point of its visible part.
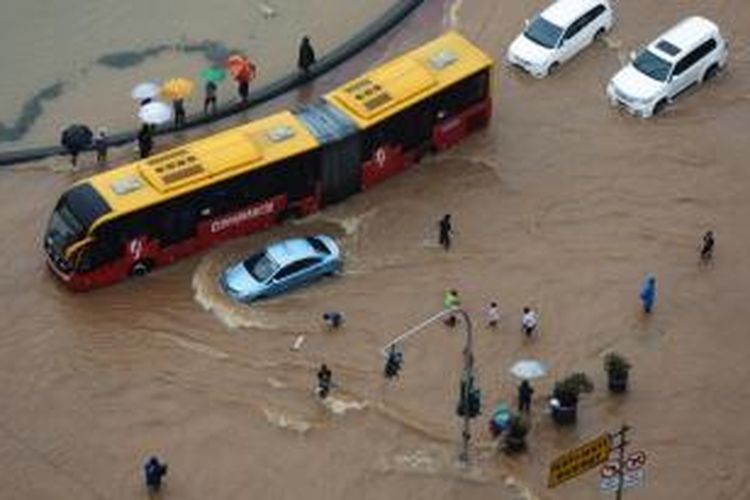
(562, 204)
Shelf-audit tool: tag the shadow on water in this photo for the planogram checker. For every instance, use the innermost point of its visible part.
(129, 58)
(31, 111)
(214, 52)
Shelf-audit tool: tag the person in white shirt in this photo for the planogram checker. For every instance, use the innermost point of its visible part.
(493, 315)
(529, 321)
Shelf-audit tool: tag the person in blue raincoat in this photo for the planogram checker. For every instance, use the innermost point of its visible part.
(648, 293)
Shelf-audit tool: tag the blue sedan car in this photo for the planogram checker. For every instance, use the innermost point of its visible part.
(282, 266)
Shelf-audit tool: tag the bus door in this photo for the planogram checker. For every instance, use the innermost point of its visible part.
(340, 169)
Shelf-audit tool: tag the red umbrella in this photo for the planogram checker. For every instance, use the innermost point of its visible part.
(241, 68)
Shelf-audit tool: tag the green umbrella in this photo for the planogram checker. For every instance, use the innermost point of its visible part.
(213, 74)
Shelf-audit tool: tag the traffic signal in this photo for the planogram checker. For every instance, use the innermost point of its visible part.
(393, 363)
(470, 399)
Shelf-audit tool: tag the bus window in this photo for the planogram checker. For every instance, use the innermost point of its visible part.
(409, 128)
(177, 223)
(97, 253)
(463, 94)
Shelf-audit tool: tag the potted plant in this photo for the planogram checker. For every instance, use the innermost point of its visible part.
(617, 368)
(515, 437)
(564, 403)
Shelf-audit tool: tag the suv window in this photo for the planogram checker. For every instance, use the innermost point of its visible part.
(583, 21)
(296, 267)
(696, 55)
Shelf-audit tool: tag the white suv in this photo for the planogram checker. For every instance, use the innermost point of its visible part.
(558, 33)
(691, 52)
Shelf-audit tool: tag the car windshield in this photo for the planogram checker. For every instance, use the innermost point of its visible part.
(261, 266)
(652, 66)
(543, 32)
(64, 228)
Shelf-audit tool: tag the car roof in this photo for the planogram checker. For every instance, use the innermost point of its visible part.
(564, 12)
(291, 250)
(685, 35)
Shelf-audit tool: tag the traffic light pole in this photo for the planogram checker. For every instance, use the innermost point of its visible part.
(468, 375)
(468, 371)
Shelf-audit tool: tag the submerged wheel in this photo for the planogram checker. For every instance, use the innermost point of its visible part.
(659, 107)
(599, 34)
(553, 68)
(141, 268)
(711, 72)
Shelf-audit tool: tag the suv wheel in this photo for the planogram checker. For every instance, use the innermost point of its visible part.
(711, 72)
(553, 68)
(599, 34)
(659, 107)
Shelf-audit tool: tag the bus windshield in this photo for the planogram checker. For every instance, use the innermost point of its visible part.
(261, 266)
(64, 228)
(74, 214)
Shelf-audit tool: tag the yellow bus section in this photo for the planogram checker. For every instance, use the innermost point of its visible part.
(203, 162)
(400, 83)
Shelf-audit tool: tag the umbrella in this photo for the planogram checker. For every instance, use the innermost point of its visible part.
(145, 90)
(177, 88)
(213, 74)
(155, 113)
(76, 137)
(528, 369)
(240, 67)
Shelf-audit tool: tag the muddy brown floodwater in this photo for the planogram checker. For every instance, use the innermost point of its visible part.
(563, 203)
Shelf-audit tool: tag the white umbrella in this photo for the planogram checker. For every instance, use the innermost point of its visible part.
(528, 369)
(145, 90)
(155, 113)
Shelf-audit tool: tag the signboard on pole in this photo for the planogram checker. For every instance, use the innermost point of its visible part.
(579, 460)
(629, 480)
(633, 473)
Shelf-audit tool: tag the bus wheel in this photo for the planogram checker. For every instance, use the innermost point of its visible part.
(141, 268)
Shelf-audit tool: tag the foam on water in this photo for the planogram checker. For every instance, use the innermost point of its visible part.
(197, 347)
(341, 406)
(207, 294)
(283, 421)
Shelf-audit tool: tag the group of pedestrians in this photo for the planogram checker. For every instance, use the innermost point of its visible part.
(530, 318)
(306, 59)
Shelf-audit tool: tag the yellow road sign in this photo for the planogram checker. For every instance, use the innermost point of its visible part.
(578, 460)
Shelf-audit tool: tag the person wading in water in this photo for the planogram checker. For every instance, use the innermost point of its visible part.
(446, 231)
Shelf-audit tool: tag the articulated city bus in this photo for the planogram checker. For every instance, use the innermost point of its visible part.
(135, 218)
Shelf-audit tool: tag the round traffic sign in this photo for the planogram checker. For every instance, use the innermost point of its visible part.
(610, 469)
(636, 460)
